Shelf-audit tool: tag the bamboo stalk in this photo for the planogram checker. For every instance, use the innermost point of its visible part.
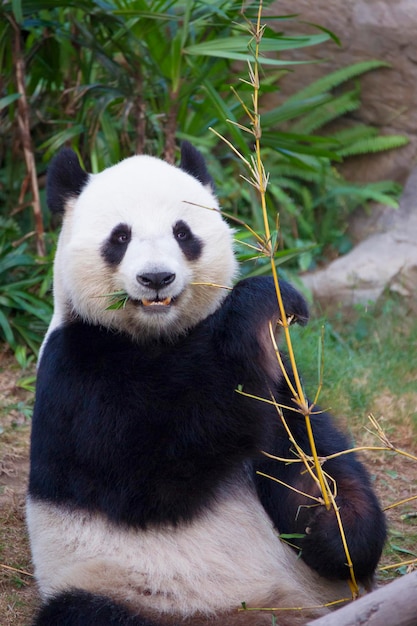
(23, 120)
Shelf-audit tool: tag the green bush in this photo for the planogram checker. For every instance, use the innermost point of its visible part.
(25, 308)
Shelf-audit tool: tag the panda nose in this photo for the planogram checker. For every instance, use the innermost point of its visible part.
(155, 280)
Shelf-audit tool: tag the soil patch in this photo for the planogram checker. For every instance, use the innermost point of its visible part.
(18, 595)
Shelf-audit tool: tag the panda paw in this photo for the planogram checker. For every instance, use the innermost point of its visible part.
(322, 547)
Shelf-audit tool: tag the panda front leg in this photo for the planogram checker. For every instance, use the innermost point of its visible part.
(242, 325)
(362, 521)
(252, 305)
(319, 535)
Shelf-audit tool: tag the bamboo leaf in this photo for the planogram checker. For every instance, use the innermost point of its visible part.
(226, 113)
(238, 43)
(237, 49)
(54, 143)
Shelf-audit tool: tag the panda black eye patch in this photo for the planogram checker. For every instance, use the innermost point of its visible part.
(114, 248)
(190, 245)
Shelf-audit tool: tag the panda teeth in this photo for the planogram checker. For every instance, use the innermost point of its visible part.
(164, 302)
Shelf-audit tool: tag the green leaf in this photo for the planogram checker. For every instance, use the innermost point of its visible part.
(402, 550)
(27, 382)
(226, 113)
(294, 142)
(17, 10)
(362, 193)
(118, 300)
(185, 30)
(242, 44)
(175, 61)
(334, 79)
(6, 329)
(335, 108)
(233, 49)
(7, 100)
(351, 134)
(54, 143)
(328, 32)
(374, 144)
(292, 109)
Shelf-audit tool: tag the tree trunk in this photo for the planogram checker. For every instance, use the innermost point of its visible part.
(392, 605)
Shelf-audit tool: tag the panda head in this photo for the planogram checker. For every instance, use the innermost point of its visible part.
(143, 228)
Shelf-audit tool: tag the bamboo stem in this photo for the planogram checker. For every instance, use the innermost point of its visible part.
(23, 120)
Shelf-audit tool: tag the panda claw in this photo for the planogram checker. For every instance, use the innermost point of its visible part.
(291, 319)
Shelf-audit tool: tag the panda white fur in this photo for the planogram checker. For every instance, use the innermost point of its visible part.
(144, 504)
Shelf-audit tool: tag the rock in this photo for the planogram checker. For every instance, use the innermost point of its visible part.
(368, 29)
(385, 256)
(387, 259)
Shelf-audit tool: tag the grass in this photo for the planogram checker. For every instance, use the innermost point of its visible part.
(369, 356)
(370, 366)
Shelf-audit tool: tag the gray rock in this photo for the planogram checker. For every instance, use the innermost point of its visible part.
(385, 260)
(368, 29)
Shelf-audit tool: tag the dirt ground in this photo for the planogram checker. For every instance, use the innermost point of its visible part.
(18, 596)
(395, 479)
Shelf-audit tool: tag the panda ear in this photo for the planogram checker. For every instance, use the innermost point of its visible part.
(192, 162)
(66, 179)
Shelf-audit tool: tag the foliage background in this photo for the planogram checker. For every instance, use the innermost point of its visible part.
(115, 77)
(111, 77)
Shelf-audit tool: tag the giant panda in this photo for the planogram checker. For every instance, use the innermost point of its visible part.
(146, 505)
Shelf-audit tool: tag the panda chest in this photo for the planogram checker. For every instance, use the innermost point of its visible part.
(147, 404)
(142, 438)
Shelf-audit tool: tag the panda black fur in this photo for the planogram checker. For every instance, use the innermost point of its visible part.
(145, 507)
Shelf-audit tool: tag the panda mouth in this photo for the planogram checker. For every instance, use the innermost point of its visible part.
(156, 304)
